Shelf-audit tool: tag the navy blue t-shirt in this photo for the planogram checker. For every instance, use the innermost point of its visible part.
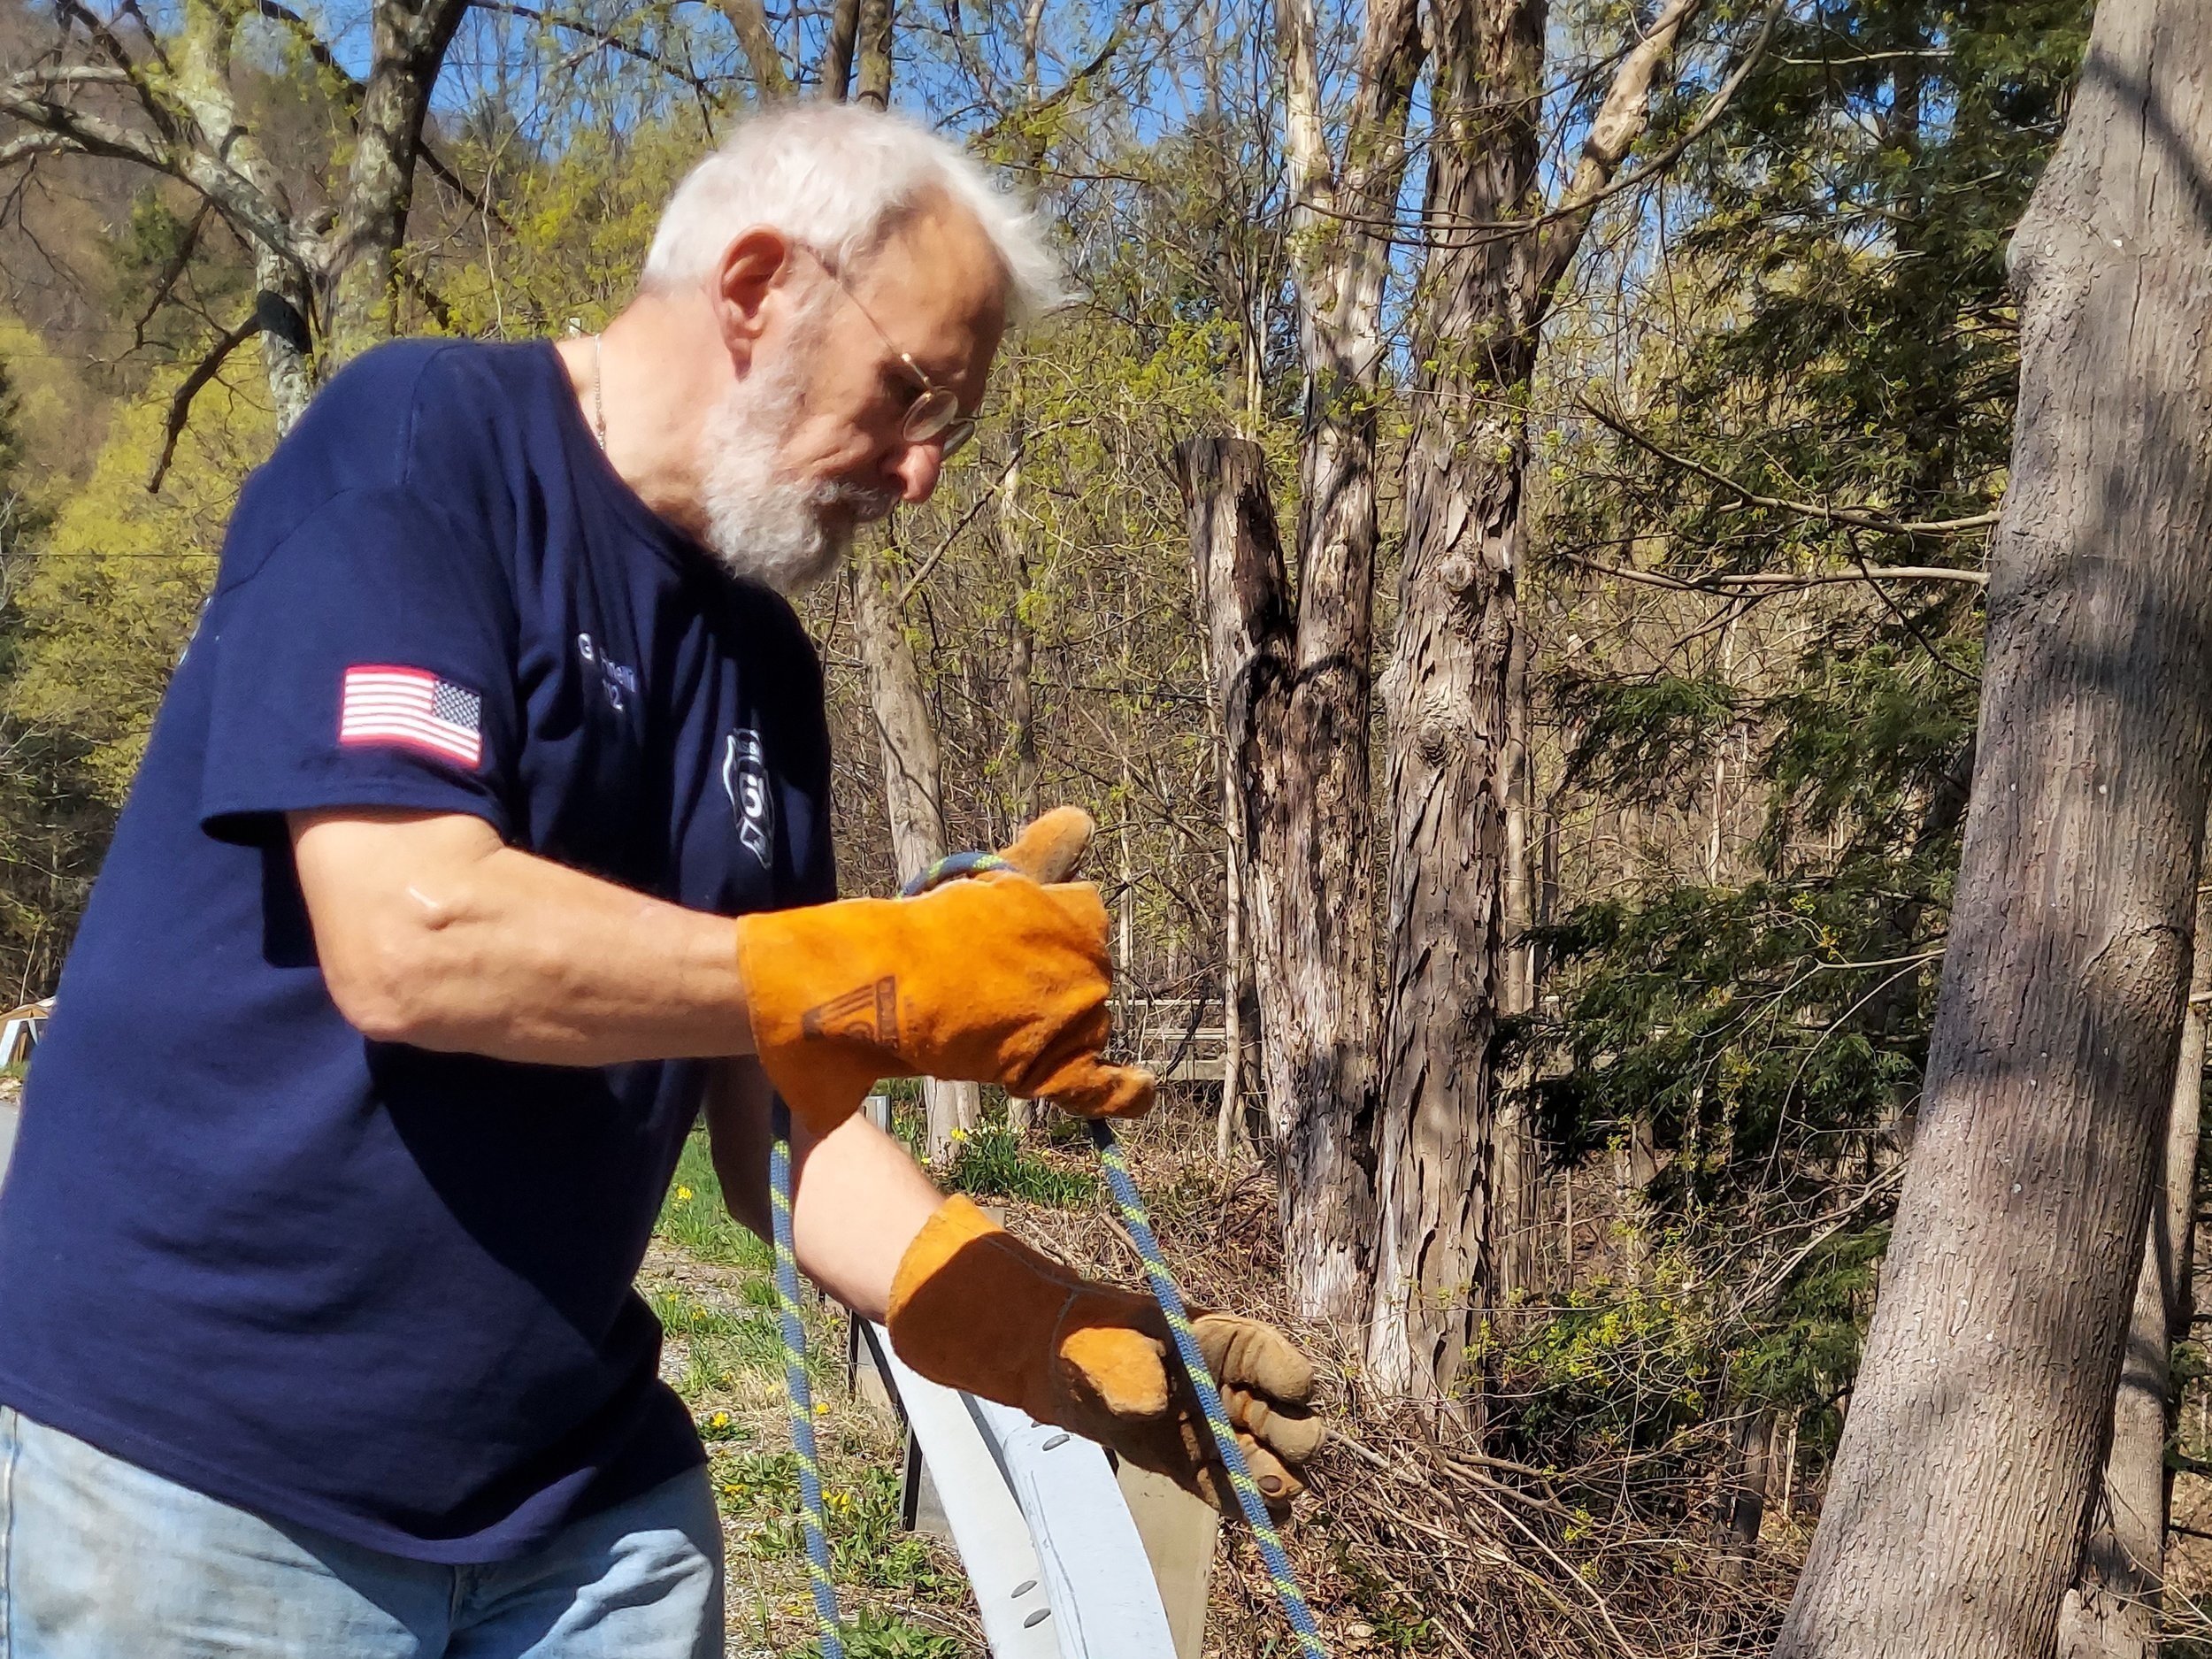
(358, 1286)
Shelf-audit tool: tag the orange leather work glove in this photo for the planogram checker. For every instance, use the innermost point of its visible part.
(995, 978)
(974, 1307)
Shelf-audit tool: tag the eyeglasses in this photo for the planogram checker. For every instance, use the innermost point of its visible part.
(934, 414)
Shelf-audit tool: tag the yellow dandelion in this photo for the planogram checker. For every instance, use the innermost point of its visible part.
(683, 1195)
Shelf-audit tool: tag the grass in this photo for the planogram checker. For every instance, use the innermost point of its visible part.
(695, 1219)
(709, 1282)
(994, 1163)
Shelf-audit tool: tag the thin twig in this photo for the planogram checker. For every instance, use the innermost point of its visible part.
(1854, 518)
(180, 403)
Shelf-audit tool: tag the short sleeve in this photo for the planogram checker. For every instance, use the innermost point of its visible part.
(367, 660)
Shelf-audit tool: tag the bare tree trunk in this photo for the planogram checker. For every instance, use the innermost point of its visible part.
(913, 763)
(1954, 1514)
(288, 349)
(1634, 1163)
(872, 81)
(749, 20)
(836, 65)
(1235, 974)
(2112, 1610)
(913, 786)
(408, 42)
(1743, 1503)
(1299, 675)
(1451, 1194)
(1281, 726)
(1021, 643)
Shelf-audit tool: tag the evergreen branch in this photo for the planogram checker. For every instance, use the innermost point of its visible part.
(1910, 623)
(181, 401)
(1847, 518)
(1825, 1228)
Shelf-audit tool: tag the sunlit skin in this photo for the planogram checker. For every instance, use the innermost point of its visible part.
(433, 932)
(936, 289)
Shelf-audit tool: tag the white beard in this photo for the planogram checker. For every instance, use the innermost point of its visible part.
(763, 526)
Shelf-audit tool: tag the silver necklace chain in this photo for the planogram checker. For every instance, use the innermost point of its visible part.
(598, 401)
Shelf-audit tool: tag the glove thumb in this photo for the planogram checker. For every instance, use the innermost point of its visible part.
(1048, 850)
(1118, 1370)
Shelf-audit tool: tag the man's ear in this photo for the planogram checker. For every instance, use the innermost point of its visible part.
(751, 267)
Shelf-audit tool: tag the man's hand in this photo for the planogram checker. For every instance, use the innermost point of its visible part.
(995, 979)
(974, 1307)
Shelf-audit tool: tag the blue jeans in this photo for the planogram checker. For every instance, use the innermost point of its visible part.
(101, 1560)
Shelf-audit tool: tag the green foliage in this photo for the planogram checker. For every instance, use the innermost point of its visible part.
(695, 1216)
(868, 1548)
(1645, 732)
(1617, 1368)
(875, 1634)
(993, 1163)
(1831, 326)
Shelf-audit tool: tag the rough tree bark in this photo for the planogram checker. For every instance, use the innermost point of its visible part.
(913, 784)
(2112, 1610)
(1022, 796)
(1954, 1513)
(1239, 576)
(1305, 666)
(1743, 1500)
(1458, 1198)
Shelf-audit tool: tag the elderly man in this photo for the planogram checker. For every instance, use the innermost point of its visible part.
(414, 961)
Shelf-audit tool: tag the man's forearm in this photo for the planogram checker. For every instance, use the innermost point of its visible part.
(858, 1199)
(432, 932)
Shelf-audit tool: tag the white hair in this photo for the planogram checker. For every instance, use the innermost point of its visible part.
(841, 178)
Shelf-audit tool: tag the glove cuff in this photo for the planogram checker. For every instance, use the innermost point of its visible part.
(822, 1056)
(975, 1308)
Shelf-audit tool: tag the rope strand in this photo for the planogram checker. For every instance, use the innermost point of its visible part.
(814, 1516)
(1139, 1221)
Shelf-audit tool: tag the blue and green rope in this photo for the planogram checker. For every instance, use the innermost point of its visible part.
(1139, 1221)
(1165, 1292)
(814, 1516)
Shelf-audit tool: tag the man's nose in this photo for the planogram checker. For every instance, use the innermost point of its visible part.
(916, 468)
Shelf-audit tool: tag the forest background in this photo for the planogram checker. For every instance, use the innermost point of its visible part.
(1558, 824)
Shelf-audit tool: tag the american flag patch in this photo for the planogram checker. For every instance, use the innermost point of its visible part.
(412, 708)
